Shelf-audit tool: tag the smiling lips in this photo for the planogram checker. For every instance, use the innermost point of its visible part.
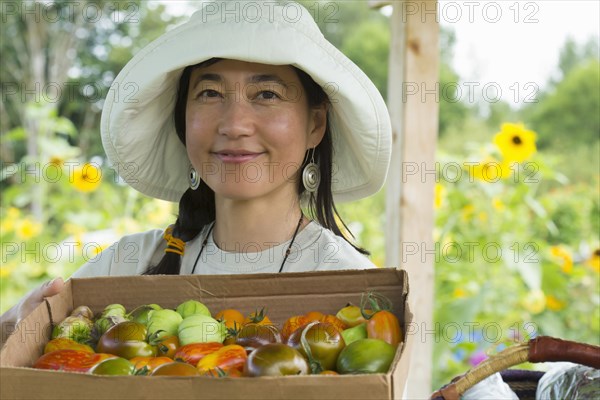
(236, 156)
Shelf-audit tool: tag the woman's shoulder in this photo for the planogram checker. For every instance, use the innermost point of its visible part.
(130, 255)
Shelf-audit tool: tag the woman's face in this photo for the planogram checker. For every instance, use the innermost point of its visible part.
(248, 127)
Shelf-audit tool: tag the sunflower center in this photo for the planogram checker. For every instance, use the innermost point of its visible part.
(597, 252)
(517, 140)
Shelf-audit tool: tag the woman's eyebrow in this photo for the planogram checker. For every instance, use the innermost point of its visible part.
(207, 77)
(267, 78)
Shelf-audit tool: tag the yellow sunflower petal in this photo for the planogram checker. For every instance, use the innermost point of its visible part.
(515, 142)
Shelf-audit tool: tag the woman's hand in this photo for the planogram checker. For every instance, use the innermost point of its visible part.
(23, 308)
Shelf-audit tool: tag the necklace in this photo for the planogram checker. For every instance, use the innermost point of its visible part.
(287, 252)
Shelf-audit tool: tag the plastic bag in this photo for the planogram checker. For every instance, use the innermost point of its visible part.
(491, 388)
(569, 381)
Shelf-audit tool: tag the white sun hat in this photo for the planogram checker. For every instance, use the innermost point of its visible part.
(138, 130)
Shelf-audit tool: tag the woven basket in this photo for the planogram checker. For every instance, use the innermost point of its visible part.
(523, 383)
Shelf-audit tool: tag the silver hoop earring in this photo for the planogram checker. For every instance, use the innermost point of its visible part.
(311, 175)
(193, 178)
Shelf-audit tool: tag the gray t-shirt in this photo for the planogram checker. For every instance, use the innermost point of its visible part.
(315, 248)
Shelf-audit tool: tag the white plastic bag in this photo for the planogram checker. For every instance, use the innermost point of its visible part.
(491, 388)
(569, 381)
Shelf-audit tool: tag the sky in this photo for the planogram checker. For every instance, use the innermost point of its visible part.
(521, 49)
(507, 49)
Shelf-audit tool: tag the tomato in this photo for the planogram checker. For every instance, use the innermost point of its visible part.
(70, 360)
(321, 345)
(83, 311)
(385, 326)
(233, 319)
(275, 359)
(113, 366)
(366, 356)
(167, 346)
(355, 333)
(78, 329)
(258, 317)
(295, 322)
(291, 324)
(140, 314)
(328, 372)
(225, 359)
(127, 340)
(175, 368)
(313, 316)
(150, 363)
(333, 320)
(65, 343)
(252, 336)
(351, 315)
(192, 353)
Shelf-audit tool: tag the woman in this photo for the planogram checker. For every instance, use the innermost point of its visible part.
(250, 121)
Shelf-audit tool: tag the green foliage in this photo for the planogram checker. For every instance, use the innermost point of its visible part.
(569, 114)
(368, 46)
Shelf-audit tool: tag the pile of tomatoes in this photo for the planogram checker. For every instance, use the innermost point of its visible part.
(189, 340)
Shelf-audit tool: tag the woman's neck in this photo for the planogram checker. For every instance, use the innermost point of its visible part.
(255, 225)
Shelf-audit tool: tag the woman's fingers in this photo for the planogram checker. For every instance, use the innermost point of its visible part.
(36, 297)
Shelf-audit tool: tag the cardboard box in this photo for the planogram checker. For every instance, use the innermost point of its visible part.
(283, 295)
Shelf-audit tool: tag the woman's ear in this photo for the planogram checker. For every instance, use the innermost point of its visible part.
(318, 124)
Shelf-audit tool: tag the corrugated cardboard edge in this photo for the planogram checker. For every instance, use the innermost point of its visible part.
(402, 360)
(30, 338)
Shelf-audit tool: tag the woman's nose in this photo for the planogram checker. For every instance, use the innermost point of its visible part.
(237, 118)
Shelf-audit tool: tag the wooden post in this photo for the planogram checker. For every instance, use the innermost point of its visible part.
(413, 106)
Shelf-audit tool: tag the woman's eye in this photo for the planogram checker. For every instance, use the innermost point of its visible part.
(208, 93)
(268, 95)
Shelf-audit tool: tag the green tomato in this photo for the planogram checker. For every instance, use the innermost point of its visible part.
(114, 366)
(366, 356)
(127, 340)
(275, 359)
(140, 314)
(103, 324)
(113, 310)
(162, 323)
(192, 307)
(200, 328)
(78, 329)
(355, 333)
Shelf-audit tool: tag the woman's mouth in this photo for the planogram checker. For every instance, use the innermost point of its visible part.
(236, 156)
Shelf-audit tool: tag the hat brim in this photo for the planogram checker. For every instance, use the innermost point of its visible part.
(137, 127)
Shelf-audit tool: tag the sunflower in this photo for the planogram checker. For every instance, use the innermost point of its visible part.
(27, 228)
(439, 195)
(87, 178)
(515, 142)
(489, 170)
(594, 261)
(566, 260)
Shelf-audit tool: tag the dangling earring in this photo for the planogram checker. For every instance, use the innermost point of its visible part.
(311, 175)
(193, 178)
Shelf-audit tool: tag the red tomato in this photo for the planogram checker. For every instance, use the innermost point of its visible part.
(295, 322)
(66, 343)
(70, 360)
(226, 359)
(385, 326)
(192, 353)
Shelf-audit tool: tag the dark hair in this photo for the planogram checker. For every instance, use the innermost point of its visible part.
(197, 207)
